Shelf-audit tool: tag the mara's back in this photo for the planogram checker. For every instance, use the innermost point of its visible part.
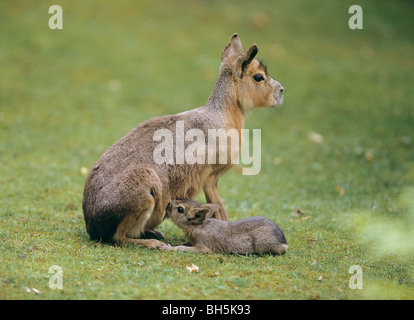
(250, 235)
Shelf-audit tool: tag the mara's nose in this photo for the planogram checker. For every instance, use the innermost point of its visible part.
(281, 89)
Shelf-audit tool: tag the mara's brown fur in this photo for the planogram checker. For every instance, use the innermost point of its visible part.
(126, 192)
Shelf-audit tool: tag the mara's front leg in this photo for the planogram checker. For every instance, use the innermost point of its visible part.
(213, 196)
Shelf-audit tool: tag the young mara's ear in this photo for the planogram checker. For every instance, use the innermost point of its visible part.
(214, 209)
(234, 46)
(198, 215)
(168, 210)
(244, 61)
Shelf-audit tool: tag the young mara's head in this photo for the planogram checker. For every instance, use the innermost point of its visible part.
(186, 212)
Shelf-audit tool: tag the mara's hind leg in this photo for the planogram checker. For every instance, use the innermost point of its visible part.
(132, 227)
(142, 192)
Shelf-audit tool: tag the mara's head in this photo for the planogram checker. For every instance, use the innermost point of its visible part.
(254, 88)
(187, 212)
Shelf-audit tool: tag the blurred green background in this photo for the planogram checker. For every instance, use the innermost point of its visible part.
(337, 156)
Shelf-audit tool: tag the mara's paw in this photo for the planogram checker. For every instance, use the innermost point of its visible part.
(166, 247)
(152, 234)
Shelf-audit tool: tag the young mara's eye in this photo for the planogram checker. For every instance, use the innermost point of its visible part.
(258, 77)
(180, 209)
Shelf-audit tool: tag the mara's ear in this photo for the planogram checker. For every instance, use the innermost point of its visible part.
(214, 209)
(234, 46)
(168, 210)
(198, 215)
(244, 61)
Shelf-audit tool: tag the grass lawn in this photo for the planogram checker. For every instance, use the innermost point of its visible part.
(337, 169)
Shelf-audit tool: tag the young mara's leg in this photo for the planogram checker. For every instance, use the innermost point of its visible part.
(148, 243)
(185, 248)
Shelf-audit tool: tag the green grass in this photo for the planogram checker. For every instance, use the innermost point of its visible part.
(67, 95)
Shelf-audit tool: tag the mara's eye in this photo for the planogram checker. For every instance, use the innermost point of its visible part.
(180, 209)
(258, 77)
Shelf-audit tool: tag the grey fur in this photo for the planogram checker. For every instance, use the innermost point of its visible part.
(255, 235)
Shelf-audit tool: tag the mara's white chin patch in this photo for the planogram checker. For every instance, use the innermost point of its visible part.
(278, 100)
